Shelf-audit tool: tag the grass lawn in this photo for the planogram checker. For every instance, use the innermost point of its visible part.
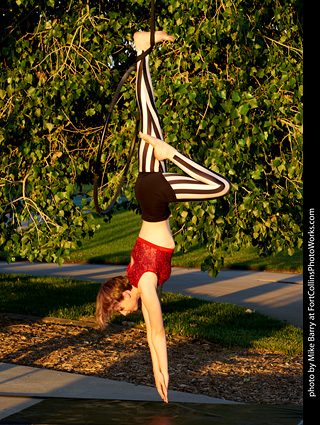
(221, 323)
(114, 241)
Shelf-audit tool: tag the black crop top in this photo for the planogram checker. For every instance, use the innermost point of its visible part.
(154, 193)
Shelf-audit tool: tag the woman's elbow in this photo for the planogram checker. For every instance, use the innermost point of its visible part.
(158, 333)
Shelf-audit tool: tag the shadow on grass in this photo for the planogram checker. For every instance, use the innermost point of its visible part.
(44, 296)
(120, 258)
(277, 262)
(244, 259)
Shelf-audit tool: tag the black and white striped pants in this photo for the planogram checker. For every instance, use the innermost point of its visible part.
(200, 183)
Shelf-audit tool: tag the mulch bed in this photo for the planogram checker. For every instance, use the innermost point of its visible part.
(121, 353)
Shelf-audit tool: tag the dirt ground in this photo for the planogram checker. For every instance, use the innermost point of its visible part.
(121, 353)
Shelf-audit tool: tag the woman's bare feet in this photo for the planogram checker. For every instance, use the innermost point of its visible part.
(142, 39)
(161, 149)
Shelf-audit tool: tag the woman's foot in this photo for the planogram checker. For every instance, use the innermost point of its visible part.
(142, 39)
(161, 149)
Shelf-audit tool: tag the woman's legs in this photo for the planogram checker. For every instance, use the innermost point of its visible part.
(203, 184)
(200, 184)
(150, 122)
(147, 107)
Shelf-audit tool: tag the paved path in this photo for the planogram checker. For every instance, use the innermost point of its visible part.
(24, 386)
(39, 396)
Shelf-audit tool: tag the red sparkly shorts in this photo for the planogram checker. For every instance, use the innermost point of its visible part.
(148, 257)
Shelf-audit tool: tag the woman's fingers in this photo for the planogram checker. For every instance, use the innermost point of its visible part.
(162, 386)
(163, 392)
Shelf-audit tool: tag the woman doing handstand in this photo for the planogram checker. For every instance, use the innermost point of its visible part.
(155, 188)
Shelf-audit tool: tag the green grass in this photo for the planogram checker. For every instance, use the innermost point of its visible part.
(46, 296)
(114, 241)
(221, 323)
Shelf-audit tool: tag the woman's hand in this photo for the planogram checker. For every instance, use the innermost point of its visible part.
(162, 382)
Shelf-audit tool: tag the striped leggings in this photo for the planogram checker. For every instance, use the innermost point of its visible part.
(200, 183)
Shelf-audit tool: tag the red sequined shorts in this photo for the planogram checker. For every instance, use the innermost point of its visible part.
(148, 257)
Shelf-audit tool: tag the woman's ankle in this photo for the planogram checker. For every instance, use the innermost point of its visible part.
(142, 39)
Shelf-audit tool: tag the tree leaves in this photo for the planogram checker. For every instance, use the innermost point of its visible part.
(229, 93)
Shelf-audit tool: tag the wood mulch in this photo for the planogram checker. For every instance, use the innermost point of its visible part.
(121, 353)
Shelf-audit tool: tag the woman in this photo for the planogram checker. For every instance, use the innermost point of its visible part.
(155, 188)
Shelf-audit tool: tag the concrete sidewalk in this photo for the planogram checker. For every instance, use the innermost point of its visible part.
(24, 386)
(277, 295)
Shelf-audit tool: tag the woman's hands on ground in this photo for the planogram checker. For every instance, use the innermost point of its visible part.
(162, 383)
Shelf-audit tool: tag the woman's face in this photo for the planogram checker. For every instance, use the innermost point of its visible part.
(128, 304)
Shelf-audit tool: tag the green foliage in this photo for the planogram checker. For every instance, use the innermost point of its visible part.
(229, 92)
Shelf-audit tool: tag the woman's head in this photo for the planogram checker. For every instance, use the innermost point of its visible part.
(109, 297)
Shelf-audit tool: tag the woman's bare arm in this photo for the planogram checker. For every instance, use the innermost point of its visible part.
(151, 309)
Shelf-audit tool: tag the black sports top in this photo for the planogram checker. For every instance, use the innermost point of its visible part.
(154, 193)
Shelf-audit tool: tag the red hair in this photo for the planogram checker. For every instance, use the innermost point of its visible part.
(109, 296)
